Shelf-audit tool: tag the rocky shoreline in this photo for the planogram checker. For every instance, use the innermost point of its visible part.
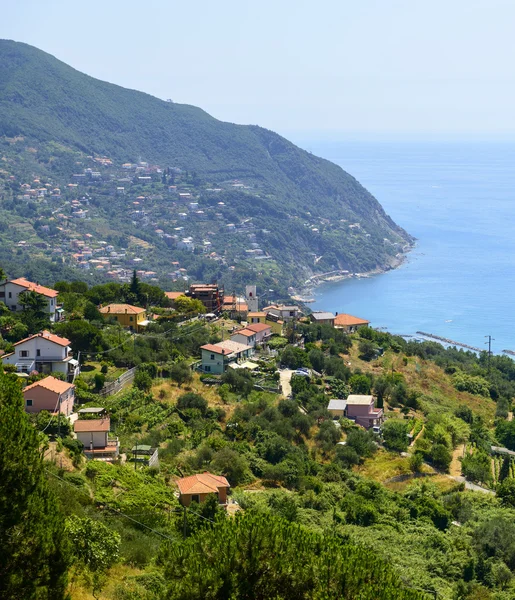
(305, 294)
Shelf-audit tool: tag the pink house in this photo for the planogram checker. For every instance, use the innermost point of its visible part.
(361, 410)
(50, 394)
(262, 331)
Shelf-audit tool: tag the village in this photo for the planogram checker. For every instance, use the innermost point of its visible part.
(170, 225)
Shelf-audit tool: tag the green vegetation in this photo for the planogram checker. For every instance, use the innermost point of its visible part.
(324, 509)
(298, 204)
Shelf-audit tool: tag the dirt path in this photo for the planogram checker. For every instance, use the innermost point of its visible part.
(455, 466)
(285, 378)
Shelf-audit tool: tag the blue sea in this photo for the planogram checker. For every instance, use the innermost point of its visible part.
(458, 200)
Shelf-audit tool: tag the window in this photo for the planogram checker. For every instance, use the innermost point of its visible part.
(29, 403)
(10, 294)
(208, 368)
(13, 307)
(212, 357)
(38, 352)
(131, 319)
(24, 353)
(195, 498)
(2, 294)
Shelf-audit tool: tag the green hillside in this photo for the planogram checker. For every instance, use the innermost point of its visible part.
(46, 101)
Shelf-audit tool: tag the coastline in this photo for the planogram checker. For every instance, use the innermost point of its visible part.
(305, 293)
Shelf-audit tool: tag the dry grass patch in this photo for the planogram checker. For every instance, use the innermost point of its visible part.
(383, 466)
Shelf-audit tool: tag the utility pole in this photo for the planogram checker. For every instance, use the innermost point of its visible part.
(490, 340)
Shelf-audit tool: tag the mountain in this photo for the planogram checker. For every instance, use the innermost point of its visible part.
(318, 217)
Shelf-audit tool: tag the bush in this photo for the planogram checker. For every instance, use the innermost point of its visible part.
(395, 435)
(142, 381)
(191, 400)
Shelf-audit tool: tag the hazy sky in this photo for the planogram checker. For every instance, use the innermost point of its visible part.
(367, 67)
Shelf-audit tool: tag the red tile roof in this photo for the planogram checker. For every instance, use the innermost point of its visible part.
(121, 309)
(257, 327)
(202, 483)
(87, 425)
(52, 384)
(348, 320)
(247, 332)
(216, 349)
(35, 287)
(174, 295)
(51, 337)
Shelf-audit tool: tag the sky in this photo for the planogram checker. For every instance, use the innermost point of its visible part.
(325, 68)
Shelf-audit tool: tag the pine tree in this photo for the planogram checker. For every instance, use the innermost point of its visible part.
(34, 553)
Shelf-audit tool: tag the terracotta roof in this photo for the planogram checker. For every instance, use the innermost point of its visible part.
(257, 327)
(92, 425)
(52, 384)
(247, 332)
(51, 337)
(121, 309)
(348, 320)
(202, 483)
(216, 349)
(174, 295)
(35, 287)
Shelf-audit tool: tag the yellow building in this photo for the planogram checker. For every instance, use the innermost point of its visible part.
(262, 317)
(130, 317)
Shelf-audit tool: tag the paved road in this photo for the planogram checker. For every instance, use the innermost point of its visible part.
(284, 378)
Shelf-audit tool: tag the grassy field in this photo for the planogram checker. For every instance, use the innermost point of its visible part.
(426, 377)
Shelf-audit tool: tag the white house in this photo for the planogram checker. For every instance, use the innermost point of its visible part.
(245, 337)
(94, 435)
(45, 353)
(283, 312)
(216, 357)
(10, 295)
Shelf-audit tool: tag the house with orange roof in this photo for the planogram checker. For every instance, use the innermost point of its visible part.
(245, 336)
(11, 292)
(130, 317)
(172, 296)
(217, 357)
(50, 394)
(275, 323)
(196, 488)
(235, 306)
(94, 435)
(44, 352)
(349, 323)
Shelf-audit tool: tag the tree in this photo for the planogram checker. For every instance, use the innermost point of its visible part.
(239, 381)
(440, 456)
(477, 467)
(362, 442)
(238, 558)
(143, 381)
(94, 545)
(231, 464)
(35, 315)
(506, 492)
(360, 384)
(367, 350)
(34, 553)
(317, 359)
(84, 336)
(415, 462)
(134, 286)
(181, 373)
(91, 312)
(185, 306)
(395, 435)
(505, 433)
(191, 400)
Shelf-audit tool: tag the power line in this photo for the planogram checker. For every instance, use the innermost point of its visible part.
(117, 511)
